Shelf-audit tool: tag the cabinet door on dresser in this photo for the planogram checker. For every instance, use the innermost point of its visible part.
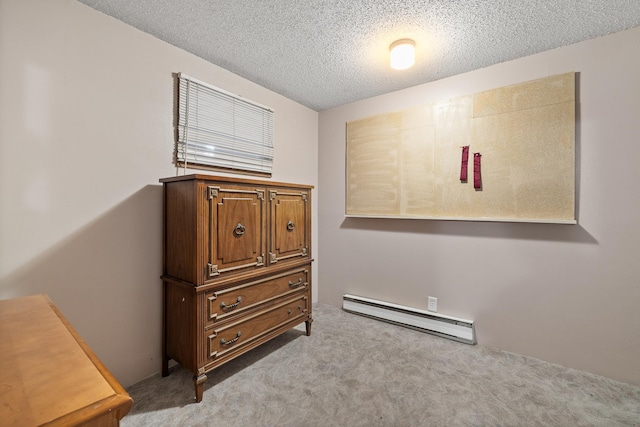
(237, 222)
(290, 229)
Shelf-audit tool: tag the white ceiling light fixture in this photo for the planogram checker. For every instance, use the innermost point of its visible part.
(402, 54)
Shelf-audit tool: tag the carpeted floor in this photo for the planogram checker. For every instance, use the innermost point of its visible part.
(355, 371)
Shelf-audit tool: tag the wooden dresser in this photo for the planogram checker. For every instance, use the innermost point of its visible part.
(48, 375)
(236, 267)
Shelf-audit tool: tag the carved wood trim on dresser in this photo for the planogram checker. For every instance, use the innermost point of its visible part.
(236, 268)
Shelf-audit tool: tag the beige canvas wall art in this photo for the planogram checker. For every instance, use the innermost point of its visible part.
(407, 164)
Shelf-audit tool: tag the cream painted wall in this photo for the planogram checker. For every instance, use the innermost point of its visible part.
(86, 131)
(568, 294)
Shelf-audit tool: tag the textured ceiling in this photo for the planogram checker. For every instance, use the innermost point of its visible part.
(326, 53)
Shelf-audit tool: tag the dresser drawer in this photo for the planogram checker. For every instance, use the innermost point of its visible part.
(226, 303)
(254, 328)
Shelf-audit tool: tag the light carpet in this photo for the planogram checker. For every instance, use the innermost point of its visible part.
(356, 371)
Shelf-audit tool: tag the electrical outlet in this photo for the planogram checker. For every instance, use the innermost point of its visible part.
(432, 304)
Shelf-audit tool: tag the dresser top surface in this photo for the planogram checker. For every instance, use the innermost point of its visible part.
(226, 179)
(47, 372)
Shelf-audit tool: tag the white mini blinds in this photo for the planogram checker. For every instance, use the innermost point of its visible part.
(219, 130)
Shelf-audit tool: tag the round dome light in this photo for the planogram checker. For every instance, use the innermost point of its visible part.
(403, 54)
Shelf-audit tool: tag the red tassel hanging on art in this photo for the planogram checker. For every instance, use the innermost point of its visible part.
(477, 179)
(465, 163)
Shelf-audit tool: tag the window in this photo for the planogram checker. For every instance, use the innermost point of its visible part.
(219, 130)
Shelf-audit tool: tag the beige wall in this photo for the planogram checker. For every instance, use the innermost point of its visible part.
(568, 294)
(86, 131)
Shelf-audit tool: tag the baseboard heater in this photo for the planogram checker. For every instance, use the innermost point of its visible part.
(426, 321)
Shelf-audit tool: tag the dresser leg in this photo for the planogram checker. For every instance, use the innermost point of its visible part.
(199, 383)
(308, 326)
(165, 365)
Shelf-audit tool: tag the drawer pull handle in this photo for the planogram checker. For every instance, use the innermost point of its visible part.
(291, 226)
(295, 285)
(235, 304)
(239, 230)
(225, 342)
